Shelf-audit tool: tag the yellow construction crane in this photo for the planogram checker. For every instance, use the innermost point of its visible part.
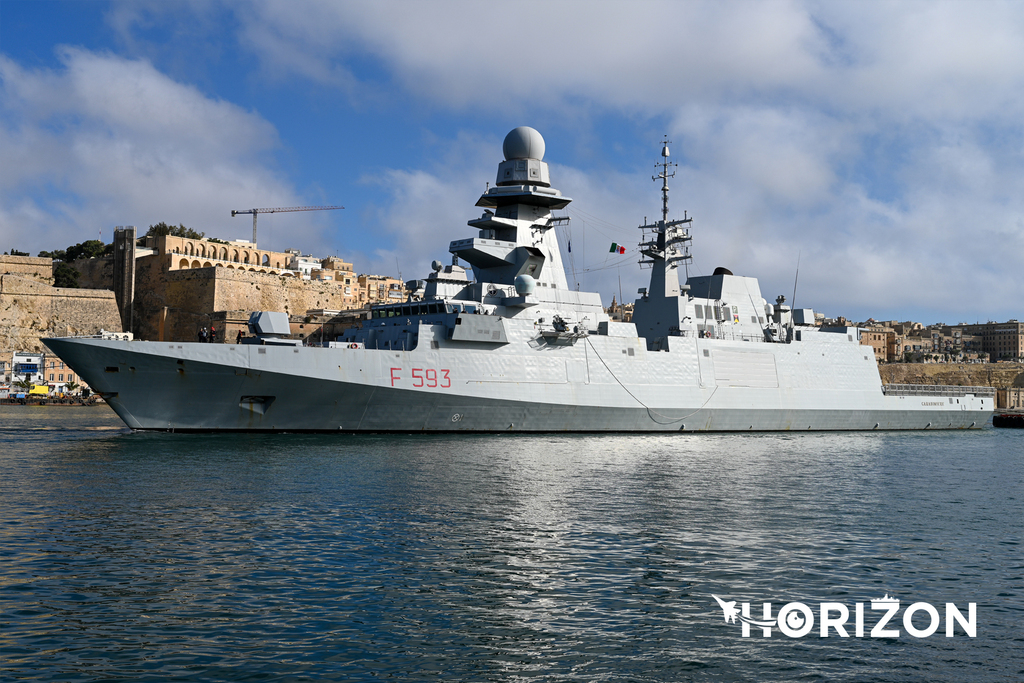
(256, 212)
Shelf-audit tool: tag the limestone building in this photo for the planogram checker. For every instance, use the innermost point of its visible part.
(1001, 341)
(881, 338)
(183, 285)
(1011, 398)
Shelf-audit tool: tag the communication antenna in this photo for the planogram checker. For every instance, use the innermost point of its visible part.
(792, 304)
(665, 175)
(622, 315)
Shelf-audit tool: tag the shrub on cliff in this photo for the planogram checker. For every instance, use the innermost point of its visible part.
(86, 249)
(161, 229)
(65, 276)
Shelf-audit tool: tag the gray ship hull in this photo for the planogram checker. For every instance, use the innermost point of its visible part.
(203, 388)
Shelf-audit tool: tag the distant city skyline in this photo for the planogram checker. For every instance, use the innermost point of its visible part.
(881, 146)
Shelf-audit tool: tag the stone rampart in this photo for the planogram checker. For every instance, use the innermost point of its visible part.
(27, 266)
(174, 305)
(998, 375)
(243, 290)
(95, 273)
(31, 310)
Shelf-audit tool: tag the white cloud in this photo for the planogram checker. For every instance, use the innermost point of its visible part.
(958, 59)
(951, 244)
(429, 207)
(467, 54)
(853, 135)
(107, 140)
(927, 59)
(882, 142)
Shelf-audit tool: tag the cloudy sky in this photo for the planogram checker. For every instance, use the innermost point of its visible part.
(880, 145)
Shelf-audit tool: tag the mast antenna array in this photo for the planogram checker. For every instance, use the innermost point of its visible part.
(668, 240)
(256, 212)
(665, 175)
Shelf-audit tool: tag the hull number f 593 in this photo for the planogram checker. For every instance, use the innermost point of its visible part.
(423, 377)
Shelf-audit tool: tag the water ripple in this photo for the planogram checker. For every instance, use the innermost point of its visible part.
(494, 558)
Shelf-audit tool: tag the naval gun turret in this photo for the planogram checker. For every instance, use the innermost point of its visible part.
(270, 328)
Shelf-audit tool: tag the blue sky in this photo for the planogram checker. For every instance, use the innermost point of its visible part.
(881, 144)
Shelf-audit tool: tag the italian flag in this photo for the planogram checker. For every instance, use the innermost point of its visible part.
(616, 249)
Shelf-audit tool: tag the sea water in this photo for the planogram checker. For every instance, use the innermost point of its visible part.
(241, 557)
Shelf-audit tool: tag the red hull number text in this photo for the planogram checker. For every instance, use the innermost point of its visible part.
(423, 377)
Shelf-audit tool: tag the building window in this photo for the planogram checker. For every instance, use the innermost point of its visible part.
(51, 376)
(60, 377)
(71, 377)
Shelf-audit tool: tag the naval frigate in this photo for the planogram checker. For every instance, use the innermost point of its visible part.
(515, 348)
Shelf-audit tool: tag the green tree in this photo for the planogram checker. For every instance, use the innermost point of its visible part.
(71, 387)
(65, 276)
(24, 383)
(57, 255)
(87, 249)
(161, 229)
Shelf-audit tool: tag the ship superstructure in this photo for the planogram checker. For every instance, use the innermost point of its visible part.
(514, 348)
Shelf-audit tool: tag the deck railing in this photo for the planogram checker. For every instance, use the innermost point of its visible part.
(936, 390)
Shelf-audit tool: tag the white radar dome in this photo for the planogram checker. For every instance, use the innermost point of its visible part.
(523, 143)
(525, 284)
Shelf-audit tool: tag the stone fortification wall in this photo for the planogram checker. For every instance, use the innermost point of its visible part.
(242, 290)
(31, 310)
(998, 375)
(95, 273)
(174, 305)
(27, 266)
